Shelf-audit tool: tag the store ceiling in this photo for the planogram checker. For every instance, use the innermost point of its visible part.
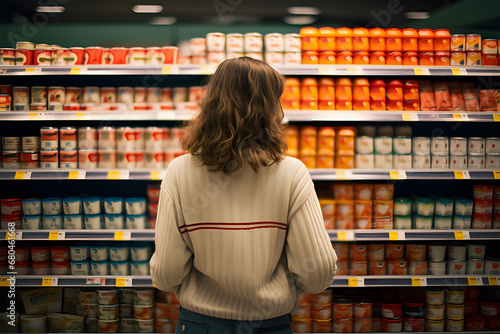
(385, 13)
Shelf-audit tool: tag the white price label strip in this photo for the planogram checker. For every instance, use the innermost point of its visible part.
(494, 280)
(21, 175)
(475, 281)
(96, 281)
(397, 235)
(77, 175)
(459, 71)
(418, 281)
(461, 117)
(50, 281)
(355, 282)
(462, 235)
(343, 174)
(462, 175)
(397, 175)
(123, 282)
(118, 175)
(345, 236)
(122, 235)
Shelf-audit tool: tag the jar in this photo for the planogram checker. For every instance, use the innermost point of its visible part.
(361, 94)
(393, 39)
(394, 58)
(343, 94)
(442, 40)
(309, 37)
(327, 58)
(426, 58)
(326, 39)
(326, 94)
(310, 57)
(361, 58)
(395, 95)
(410, 58)
(344, 39)
(360, 40)
(410, 39)
(377, 95)
(290, 99)
(425, 40)
(442, 58)
(377, 39)
(377, 58)
(411, 95)
(344, 57)
(309, 94)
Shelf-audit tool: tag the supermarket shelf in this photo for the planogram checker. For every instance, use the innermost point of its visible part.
(412, 235)
(316, 174)
(339, 281)
(88, 235)
(127, 115)
(344, 70)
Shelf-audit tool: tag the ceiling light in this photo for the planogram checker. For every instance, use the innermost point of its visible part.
(164, 20)
(417, 15)
(49, 9)
(299, 20)
(304, 10)
(147, 9)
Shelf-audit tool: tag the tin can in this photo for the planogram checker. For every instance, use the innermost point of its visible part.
(11, 143)
(473, 58)
(20, 98)
(154, 55)
(154, 159)
(106, 158)
(93, 55)
(255, 55)
(253, 42)
(215, 58)
(457, 42)
(136, 56)
(55, 106)
(7, 56)
(106, 138)
(24, 57)
(476, 145)
(39, 94)
(489, 60)
(198, 46)
(108, 95)
(49, 158)
(476, 161)
(125, 139)
(292, 43)
(439, 161)
(10, 159)
(139, 138)
(274, 58)
(153, 138)
(5, 102)
(30, 143)
(75, 56)
(139, 159)
(49, 137)
(125, 160)
(293, 58)
(29, 159)
(125, 95)
(410, 58)
(42, 57)
(73, 95)
(118, 55)
(87, 158)
(492, 145)
(169, 55)
(458, 145)
(199, 60)
(235, 43)
(58, 57)
(489, 46)
(232, 55)
(68, 158)
(274, 42)
(439, 145)
(442, 58)
(91, 95)
(493, 161)
(458, 161)
(457, 58)
(68, 137)
(56, 94)
(473, 42)
(216, 41)
(87, 138)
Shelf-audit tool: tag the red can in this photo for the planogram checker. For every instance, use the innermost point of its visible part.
(169, 54)
(68, 158)
(7, 56)
(93, 55)
(42, 57)
(29, 159)
(75, 56)
(118, 55)
(489, 60)
(24, 57)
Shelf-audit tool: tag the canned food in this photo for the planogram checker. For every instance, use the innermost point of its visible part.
(106, 137)
(473, 58)
(7, 56)
(73, 95)
(106, 158)
(293, 58)
(458, 162)
(20, 98)
(91, 95)
(274, 42)
(489, 46)
(216, 41)
(10, 159)
(293, 43)
(421, 145)
(439, 145)
(457, 58)
(476, 161)
(49, 158)
(253, 42)
(49, 137)
(234, 43)
(473, 42)
(458, 145)
(125, 160)
(68, 137)
(39, 94)
(29, 159)
(87, 158)
(493, 161)
(457, 42)
(11, 143)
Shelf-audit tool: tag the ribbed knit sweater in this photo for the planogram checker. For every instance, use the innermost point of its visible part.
(240, 246)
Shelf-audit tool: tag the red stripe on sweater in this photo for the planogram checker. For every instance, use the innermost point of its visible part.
(214, 223)
(232, 229)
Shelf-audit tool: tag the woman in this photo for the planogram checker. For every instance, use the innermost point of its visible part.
(239, 231)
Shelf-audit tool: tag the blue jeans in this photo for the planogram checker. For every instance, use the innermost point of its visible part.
(194, 323)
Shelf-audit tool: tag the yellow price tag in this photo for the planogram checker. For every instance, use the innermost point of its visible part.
(32, 114)
(472, 281)
(406, 117)
(352, 282)
(342, 236)
(457, 116)
(492, 280)
(496, 117)
(155, 175)
(393, 235)
(206, 69)
(46, 281)
(351, 69)
(10, 235)
(30, 69)
(4, 281)
(79, 114)
(120, 282)
(416, 281)
(394, 175)
(418, 71)
(119, 235)
(340, 174)
(74, 70)
(459, 235)
(19, 175)
(73, 175)
(456, 71)
(496, 175)
(459, 175)
(53, 235)
(166, 70)
(114, 175)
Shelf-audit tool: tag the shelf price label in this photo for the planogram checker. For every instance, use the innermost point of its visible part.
(459, 71)
(345, 236)
(32, 115)
(11, 235)
(397, 235)
(343, 174)
(354, 282)
(409, 117)
(421, 71)
(493, 280)
(496, 117)
(460, 117)
(56, 235)
(418, 281)
(122, 282)
(74, 70)
(155, 175)
(122, 235)
(29, 69)
(20, 175)
(397, 175)
(462, 235)
(326, 70)
(77, 175)
(207, 69)
(118, 175)
(95, 281)
(496, 175)
(461, 175)
(166, 70)
(50, 281)
(474, 281)
(4, 281)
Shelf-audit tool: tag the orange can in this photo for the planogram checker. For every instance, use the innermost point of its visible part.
(426, 58)
(362, 309)
(342, 309)
(327, 206)
(321, 311)
(489, 60)
(417, 267)
(342, 325)
(363, 325)
(308, 160)
(309, 94)
(321, 326)
(363, 192)
(411, 95)
(326, 94)
(327, 58)
(377, 95)
(344, 223)
(324, 297)
(360, 40)
(357, 252)
(290, 99)
(302, 325)
(410, 58)
(394, 58)
(473, 42)
(325, 161)
(310, 57)
(393, 39)
(489, 46)
(442, 58)
(361, 94)
(397, 267)
(342, 268)
(377, 268)
(344, 39)
(442, 40)
(304, 298)
(361, 58)
(292, 140)
(382, 208)
(359, 268)
(473, 58)
(415, 252)
(342, 251)
(410, 39)
(395, 95)
(377, 58)
(309, 38)
(344, 161)
(383, 192)
(457, 58)
(308, 140)
(363, 208)
(425, 40)
(303, 311)
(376, 252)
(377, 39)
(363, 223)
(326, 140)
(326, 39)
(394, 252)
(457, 42)
(344, 57)
(344, 208)
(328, 220)
(345, 141)
(343, 94)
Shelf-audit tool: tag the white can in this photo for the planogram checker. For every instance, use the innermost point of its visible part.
(455, 267)
(436, 311)
(364, 144)
(253, 42)
(421, 161)
(125, 160)
(464, 207)
(421, 145)
(52, 222)
(232, 55)
(458, 161)
(125, 95)
(492, 145)
(440, 161)
(293, 58)
(106, 158)
(476, 252)
(140, 95)
(154, 159)
(91, 95)
(274, 42)
(443, 222)
(216, 41)
(215, 58)
(139, 138)
(476, 145)
(234, 43)
(462, 222)
(153, 138)
(113, 221)
(274, 58)
(136, 56)
(383, 145)
(20, 98)
(87, 158)
(440, 145)
(106, 137)
(293, 43)
(402, 161)
(73, 95)
(475, 266)
(402, 145)
(73, 222)
(458, 146)
(476, 161)
(125, 138)
(457, 252)
(493, 160)
(365, 161)
(437, 267)
(383, 161)
(255, 55)
(436, 252)
(492, 267)
(108, 95)
(153, 95)
(198, 46)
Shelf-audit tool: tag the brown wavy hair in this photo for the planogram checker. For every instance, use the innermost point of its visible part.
(240, 117)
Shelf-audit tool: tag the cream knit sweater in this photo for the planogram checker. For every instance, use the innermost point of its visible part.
(240, 246)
